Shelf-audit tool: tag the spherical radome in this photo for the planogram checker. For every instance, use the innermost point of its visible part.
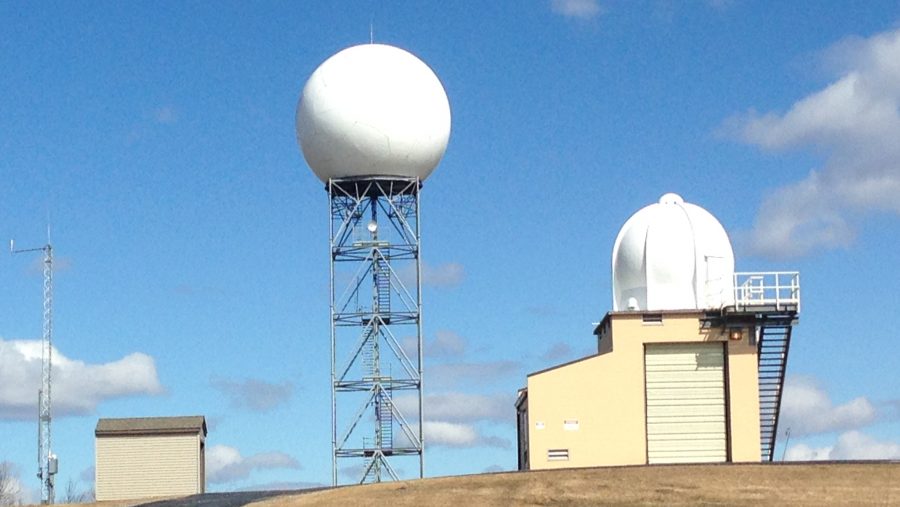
(672, 255)
(373, 110)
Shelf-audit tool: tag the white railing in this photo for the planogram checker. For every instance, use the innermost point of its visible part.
(777, 289)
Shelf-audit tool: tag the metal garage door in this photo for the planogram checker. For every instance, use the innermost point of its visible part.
(685, 403)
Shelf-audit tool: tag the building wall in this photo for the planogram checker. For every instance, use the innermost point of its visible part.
(605, 394)
(131, 467)
(743, 399)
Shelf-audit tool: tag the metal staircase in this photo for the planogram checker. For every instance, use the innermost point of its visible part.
(372, 465)
(377, 449)
(383, 287)
(771, 301)
(368, 356)
(773, 344)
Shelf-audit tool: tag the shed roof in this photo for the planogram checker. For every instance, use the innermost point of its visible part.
(151, 426)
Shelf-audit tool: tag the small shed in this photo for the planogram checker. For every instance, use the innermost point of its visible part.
(150, 457)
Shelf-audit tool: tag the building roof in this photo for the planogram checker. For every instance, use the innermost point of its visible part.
(521, 396)
(556, 367)
(151, 426)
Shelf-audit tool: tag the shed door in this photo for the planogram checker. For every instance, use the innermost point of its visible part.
(685, 403)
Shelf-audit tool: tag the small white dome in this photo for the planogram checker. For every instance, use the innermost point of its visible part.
(373, 110)
(672, 255)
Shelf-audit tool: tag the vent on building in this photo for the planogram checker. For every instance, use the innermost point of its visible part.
(557, 455)
(652, 318)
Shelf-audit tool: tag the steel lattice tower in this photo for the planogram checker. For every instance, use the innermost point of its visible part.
(375, 324)
(47, 463)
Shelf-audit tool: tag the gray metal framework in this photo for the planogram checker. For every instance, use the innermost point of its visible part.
(375, 324)
(47, 464)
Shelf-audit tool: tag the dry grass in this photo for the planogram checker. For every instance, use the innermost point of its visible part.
(776, 484)
(110, 503)
(789, 484)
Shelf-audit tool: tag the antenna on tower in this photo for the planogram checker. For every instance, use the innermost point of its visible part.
(47, 462)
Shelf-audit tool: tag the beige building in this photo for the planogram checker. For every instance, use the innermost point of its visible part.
(689, 364)
(664, 387)
(150, 457)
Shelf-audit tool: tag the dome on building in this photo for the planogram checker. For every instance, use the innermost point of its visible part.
(373, 110)
(672, 255)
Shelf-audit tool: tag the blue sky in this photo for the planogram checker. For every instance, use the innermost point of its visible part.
(191, 238)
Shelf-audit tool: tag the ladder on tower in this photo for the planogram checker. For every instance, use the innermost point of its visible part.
(774, 343)
(368, 361)
(386, 420)
(383, 287)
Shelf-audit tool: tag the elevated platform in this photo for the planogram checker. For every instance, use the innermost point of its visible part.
(767, 292)
(367, 186)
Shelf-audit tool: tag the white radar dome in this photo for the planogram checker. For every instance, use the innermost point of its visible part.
(672, 255)
(373, 110)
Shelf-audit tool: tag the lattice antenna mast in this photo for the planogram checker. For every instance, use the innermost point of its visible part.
(47, 462)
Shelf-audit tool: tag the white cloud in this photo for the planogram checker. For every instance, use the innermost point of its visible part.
(579, 9)
(444, 344)
(852, 445)
(78, 387)
(453, 375)
(449, 274)
(459, 407)
(807, 409)
(857, 445)
(253, 394)
(448, 434)
(451, 418)
(803, 452)
(446, 275)
(225, 464)
(353, 472)
(854, 123)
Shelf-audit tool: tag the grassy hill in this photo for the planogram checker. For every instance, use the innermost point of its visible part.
(844, 483)
(779, 484)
